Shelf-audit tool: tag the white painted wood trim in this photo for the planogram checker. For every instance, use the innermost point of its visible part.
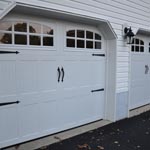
(8, 9)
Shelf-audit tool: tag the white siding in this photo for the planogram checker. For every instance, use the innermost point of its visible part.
(135, 13)
(5, 7)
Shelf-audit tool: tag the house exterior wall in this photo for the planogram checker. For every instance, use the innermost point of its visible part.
(134, 13)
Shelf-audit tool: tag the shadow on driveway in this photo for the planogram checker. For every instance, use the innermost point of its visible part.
(128, 134)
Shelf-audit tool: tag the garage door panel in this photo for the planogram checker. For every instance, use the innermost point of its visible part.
(8, 113)
(139, 82)
(9, 124)
(48, 117)
(139, 98)
(28, 99)
(7, 77)
(47, 75)
(75, 92)
(47, 96)
(76, 111)
(138, 69)
(29, 120)
(37, 88)
(27, 76)
(139, 56)
(98, 72)
(77, 73)
(84, 74)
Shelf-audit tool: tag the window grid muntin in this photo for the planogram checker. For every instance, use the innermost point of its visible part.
(85, 39)
(137, 45)
(13, 33)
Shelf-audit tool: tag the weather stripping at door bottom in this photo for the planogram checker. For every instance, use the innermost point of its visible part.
(9, 52)
(9, 103)
(98, 90)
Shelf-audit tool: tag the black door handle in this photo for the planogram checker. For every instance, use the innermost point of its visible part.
(146, 69)
(59, 74)
(63, 74)
(9, 103)
(9, 52)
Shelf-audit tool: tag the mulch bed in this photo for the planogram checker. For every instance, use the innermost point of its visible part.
(128, 134)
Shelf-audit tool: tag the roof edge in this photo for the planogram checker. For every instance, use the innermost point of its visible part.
(12, 5)
(142, 31)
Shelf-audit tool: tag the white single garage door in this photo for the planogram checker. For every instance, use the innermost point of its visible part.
(140, 73)
(52, 78)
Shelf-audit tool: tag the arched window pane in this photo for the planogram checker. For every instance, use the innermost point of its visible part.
(21, 39)
(5, 38)
(97, 36)
(141, 42)
(98, 45)
(71, 33)
(132, 48)
(141, 49)
(133, 41)
(48, 30)
(35, 40)
(6, 26)
(20, 27)
(89, 44)
(137, 41)
(48, 41)
(80, 44)
(34, 28)
(137, 48)
(80, 33)
(89, 35)
(70, 43)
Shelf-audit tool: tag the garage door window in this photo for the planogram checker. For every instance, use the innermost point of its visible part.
(137, 45)
(83, 39)
(26, 33)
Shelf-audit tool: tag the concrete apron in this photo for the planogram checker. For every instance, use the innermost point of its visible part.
(43, 142)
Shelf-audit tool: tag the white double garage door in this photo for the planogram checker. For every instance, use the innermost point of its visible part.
(46, 91)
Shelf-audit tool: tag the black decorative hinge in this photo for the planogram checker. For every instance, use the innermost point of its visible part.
(9, 52)
(98, 90)
(101, 55)
(9, 103)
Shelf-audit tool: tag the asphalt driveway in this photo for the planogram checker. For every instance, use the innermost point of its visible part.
(128, 134)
